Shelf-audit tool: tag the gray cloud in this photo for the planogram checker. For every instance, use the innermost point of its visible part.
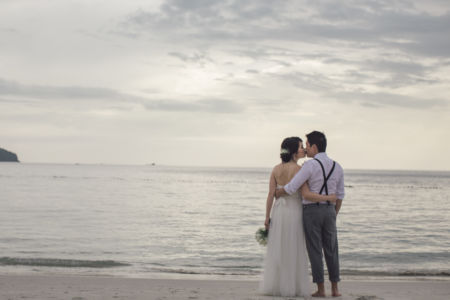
(8, 30)
(362, 24)
(203, 105)
(316, 82)
(333, 88)
(52, 93)
(397, 67)
(393, 73)
(13, 88)
(383, 99)
(396, 33)
(380, 71)
(195, 58)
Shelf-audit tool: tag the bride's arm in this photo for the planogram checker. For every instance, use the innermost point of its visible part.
(270, 197)
(314, 197)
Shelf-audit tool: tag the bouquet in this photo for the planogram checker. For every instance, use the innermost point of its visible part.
(261, 236)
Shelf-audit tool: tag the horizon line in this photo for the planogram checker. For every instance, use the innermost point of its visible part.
(208, 166)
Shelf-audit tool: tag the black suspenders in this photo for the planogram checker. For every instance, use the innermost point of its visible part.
(325, 178)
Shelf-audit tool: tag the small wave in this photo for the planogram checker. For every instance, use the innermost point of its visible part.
(54, 262)
(405, 187)
(237, 267)
(398, 257)
(347, 272)
(412, 273)
(205, 272)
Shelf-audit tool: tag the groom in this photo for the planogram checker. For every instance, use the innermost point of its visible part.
(324, 176)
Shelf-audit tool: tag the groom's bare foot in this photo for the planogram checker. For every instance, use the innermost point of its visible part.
(336, 294)
(335, 290)
(320, 290)
(318, 294)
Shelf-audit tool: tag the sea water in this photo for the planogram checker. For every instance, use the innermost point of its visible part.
(147, 221)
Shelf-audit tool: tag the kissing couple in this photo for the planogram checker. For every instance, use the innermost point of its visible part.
(302, 205)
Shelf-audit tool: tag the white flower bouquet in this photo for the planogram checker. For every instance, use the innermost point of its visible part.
(262, 235)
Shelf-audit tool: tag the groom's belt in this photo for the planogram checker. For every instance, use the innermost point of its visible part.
(316, 204)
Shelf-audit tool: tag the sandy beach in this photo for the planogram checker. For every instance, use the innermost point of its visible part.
(94, 287)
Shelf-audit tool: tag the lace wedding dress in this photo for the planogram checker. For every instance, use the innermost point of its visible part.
(286, 263)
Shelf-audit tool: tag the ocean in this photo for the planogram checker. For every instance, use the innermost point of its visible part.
(164, 221)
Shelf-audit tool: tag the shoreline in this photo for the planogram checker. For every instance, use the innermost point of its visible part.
(126, 274)
(80, 287)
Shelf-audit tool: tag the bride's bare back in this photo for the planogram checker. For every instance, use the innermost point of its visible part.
(284, 172)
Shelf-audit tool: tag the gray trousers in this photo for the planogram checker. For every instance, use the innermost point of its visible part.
(319, 222)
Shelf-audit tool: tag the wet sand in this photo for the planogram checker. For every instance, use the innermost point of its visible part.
(95, 287)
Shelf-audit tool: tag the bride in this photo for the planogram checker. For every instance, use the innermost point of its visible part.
(286, 262)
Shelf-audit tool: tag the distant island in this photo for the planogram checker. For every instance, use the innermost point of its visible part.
(8, 156)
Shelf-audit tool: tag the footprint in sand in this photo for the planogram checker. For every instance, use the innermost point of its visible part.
(368, 298)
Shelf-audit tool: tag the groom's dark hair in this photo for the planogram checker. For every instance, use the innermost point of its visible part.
(317, 138)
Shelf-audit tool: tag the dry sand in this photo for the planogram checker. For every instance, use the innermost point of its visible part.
(90, 287)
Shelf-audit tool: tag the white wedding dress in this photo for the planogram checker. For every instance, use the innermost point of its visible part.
(286, 263)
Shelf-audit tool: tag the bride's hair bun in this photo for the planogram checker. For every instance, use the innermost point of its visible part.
(289, 147)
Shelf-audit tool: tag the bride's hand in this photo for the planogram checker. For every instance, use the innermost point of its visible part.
(332, 198)
(267, 223)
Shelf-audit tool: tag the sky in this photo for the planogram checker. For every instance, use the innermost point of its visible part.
(221, 83)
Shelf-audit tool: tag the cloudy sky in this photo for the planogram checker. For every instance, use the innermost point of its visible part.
(221, 83)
